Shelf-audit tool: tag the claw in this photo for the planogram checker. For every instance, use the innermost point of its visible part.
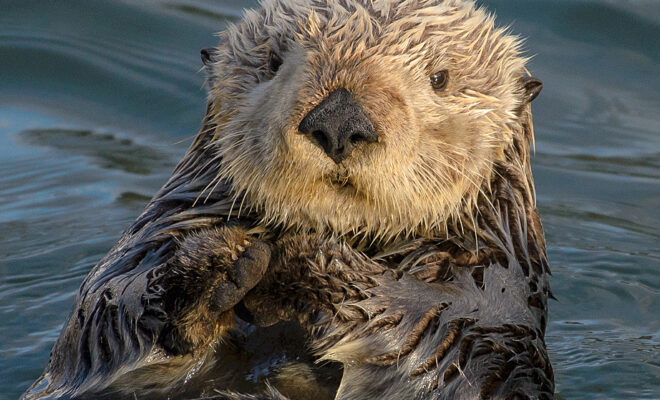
(234, 257)
(240, 248)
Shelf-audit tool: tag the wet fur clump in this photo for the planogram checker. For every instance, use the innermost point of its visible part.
(417, 262)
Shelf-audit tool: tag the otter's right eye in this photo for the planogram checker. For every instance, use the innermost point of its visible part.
(274, 62)
(439, 80)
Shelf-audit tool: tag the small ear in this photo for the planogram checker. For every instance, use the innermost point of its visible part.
(207, 56)
(532, 88)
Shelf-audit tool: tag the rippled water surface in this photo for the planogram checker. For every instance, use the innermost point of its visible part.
(98, 100)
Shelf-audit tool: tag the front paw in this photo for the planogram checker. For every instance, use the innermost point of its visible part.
(249, 263)
(213, 269)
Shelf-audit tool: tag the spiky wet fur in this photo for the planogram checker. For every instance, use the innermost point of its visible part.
(446, 196)
(435, 150)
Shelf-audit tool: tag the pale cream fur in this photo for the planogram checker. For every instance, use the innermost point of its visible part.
(436, 150)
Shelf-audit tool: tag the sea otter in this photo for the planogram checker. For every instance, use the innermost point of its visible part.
(363, 170)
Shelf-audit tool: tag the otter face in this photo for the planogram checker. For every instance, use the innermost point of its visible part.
(364, 116)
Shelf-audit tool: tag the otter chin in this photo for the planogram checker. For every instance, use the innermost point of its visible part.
(363, 171)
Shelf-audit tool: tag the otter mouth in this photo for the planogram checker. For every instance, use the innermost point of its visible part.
(341, 182)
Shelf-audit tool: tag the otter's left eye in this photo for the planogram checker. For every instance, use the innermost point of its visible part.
(274, 62)
(439, 80)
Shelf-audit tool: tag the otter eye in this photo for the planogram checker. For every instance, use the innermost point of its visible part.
(439, 80)
(274, 62)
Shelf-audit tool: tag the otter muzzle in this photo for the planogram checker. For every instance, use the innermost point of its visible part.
(337, 125)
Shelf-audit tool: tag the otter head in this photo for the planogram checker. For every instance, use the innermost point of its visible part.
(364, 116)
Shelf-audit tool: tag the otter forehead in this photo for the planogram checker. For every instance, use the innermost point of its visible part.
(342, 35)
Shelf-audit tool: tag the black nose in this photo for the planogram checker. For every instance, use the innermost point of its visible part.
(337, 125)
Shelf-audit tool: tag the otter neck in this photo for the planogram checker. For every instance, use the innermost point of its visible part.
(505, 219)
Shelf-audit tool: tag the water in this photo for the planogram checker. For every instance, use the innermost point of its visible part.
(98, 100)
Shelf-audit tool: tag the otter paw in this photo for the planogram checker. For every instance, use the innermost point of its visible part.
(250, 261)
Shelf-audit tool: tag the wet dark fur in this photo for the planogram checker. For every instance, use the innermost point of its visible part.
(145, 297)
(432, 318)
(461, 314)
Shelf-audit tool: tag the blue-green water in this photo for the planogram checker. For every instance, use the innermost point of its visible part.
(98, 100)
